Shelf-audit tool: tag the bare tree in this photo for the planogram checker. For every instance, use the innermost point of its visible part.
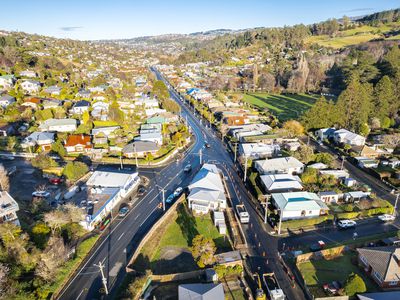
(4, 181)
(74, 213)
(56, 219)
(4, 270)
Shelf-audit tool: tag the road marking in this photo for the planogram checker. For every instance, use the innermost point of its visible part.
(120, 236)
(80, 294)
(148, 216)
(136, 217)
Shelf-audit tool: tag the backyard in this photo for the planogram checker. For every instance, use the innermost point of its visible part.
(318, 272)
(284, 106)
(168, 251)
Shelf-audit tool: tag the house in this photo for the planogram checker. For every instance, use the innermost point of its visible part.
(299, 205)
(258, 150)
(346, 137)
(53, 90)
(279, 183)
(219, 221)
(7, 81)
(248, 130)
(6, 100)
(140, 81)
(365, 162)
(318, 166)
(28, 73)
(151, 133)
(32, 102)
(82, 93)
(392, 295)
(201, 291)
(382, 264)
(59, 125)
(338, 174)
(8, 208)
(154, 111)
(356, 196)
(372, 152)
(281, 165)
(292, 146)
(140, 149)
(206, 191)
(229, 259)
(106, 131)
(42, 139)
(325, 133)
(105, 189)
(6, 130)
(51, 103)
(78, 143)
(100, 110)
(31, 86)
(99, 89)
(80, 107)
(329, 197)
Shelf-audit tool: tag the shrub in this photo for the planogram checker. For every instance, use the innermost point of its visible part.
(354, 285)
(75, 170)
(348, 215)
(295, 224)
(348, 207)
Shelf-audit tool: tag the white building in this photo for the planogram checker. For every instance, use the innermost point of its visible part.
(348, 138)
(281, 165)
(8, 208)
(6, 100)
(30, 86)
(207, 190)
(258, 150)
(59, 125)
(279, 183)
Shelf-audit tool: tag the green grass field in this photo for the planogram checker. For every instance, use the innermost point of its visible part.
(285, 107)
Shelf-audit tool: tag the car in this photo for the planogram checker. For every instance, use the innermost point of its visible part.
(386, 218)
(178, 191)
(344, 224)
(41, 194)
(141, 190)
(170, 198)
(207, 145)
(333, 287)
(55, 180)
(123, 212)
(317, 246)
(187, 168)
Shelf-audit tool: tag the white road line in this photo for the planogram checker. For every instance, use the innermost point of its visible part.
(80, 294)
(148, 216)
(120, 236)
(136, 217)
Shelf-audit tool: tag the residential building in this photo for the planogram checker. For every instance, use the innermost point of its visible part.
(59, 125)
(78, 143)
(391, 295)
(107, 131)
(325, 133)
(206, 191)
(279, 183)
(151, 133)
(6, 100)
(229, 259)
(346, 137)
(32, 102)
(42, 139)
(248, 130)
(329, 197)
(281, 165)
(8, 208)
(140, 149)
(338, 174)
(28, 73)
(82, 93)
(299, 205)
(100, 110)
(53, 90)
(382, 264)
(365, 162)
(7, 81)
(201, 291)
(80, 107)
(51, 103)
(105, 190)
(154, 111)
(31, 86)
(355, 196)
(258, 150)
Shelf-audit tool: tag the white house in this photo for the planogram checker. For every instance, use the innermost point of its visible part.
(53, 90)
(6, 100)
(281, 165)
(206, 191)
(8, 208)
(258, 150)
(28, 73)
(279, 183)
(339, 174)
(329, 196)
(100, 110)
(7, 81)
(106, 131)
(59, 125)
(298, 205)
(248, 130)
(151, 133)
(31, 86)
(42, 139)
(80, 107)
(348, 138)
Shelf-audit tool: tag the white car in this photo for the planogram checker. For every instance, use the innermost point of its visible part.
(178, 191)
(41, 194)
(386, 218)
(346, 224)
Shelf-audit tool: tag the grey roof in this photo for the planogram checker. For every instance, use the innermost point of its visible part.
(57, 122)
(106, 130)
(281, 182)
(383, 260)
(228, 257)
(281, 163)
(7, 98)
(201, 291)
(109, 178)
(82, 103)
(296, 201)
(140, 146)
(208, 178)
(392, 295)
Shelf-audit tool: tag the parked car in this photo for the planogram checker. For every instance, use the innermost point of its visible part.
(344, 224)
(333, 287)
(386, 218)
(123, 212)
(178, 192)
(170, 198)
(41, 194)
(55, 180)
(141, 190)
(207, 145)
(317, 246)
(188, 168)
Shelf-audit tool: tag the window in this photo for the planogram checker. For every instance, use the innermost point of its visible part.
(364, 260)
(303, 213)
(394, 282)
(378, 276)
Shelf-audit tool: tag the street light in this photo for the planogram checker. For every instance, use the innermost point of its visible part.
(395, 205)
(163, 195)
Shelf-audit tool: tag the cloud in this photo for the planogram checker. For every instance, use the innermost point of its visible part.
(70, 28)
(361, 9)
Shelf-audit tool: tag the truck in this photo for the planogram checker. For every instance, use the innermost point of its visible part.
(273, 288)
(243, 214)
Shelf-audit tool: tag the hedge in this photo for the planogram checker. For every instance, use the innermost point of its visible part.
(295, 224)
(365, 213)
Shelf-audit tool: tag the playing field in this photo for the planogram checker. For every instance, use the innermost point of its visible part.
(285, 107)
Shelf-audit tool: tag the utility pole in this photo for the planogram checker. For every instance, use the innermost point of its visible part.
(280, 222)
(266, 208)
(163, 199)
(120, 160)
(200, 155)
(103, 278)
(245, 169)
(235, 152)
(395, 205)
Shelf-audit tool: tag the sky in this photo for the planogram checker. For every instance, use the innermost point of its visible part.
(112, 19)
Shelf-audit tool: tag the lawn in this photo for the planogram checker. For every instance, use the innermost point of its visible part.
(318, 272)
(284, 106)
(104, 123)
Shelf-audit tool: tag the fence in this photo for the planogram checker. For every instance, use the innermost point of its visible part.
(330, 253)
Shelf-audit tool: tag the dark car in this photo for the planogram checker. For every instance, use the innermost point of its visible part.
(141, 190)
(317, 246)
(333, 287)
(188, 168)
(207, 145)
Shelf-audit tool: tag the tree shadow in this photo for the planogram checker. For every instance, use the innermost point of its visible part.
(187, 223)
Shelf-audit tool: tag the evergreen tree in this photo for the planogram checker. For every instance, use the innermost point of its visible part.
(321, 115)
(383, 98)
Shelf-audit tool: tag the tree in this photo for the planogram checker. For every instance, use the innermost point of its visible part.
(160, 90)
(305, 154)
(43, 161)
(383, 98)
(75, 170)
(4, 271)
(354, 104)
(40, 234)
(11, 143)
(364, 129)
(293, 128)
(354, 285)
(310, 176)
(115, 113)
(392, 140)
(322, 114)
(203, 250)
(85, 117)
(4, 181)
(324, 158)
(58, 147)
